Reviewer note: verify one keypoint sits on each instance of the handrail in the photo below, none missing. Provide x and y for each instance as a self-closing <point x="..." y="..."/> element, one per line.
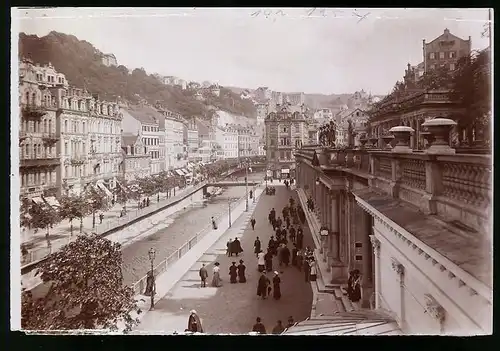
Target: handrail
<point x="160" y="268"/>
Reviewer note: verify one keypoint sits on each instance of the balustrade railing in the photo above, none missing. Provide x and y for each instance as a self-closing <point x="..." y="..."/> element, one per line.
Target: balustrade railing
<point x="435" y="182"/>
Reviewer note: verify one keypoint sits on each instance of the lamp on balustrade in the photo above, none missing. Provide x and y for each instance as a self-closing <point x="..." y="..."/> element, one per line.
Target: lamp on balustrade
<point x="439" y="129"/>
<point x="323" y="234"/>
<point x="388" y="138"/>
<point x="317" y="181"/>
<point x="373" y="140"/>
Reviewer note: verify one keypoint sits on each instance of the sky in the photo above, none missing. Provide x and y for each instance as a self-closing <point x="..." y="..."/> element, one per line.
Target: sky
<point x="321" y="51"/>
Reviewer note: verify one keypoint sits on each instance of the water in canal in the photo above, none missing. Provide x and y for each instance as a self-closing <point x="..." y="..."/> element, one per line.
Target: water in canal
<point x="183" y="225"/>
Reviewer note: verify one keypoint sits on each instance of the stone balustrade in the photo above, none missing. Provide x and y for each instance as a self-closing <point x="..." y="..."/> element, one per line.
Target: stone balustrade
<point x="439" y="182"/>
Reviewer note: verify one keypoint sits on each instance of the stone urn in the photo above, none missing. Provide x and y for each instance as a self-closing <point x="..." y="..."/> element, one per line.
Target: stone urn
<point x="428" y="137"/>
<point x="373" y="140"/>
<point x="388" y="138"/>
<point x="440" y="129"/>
<point x="402" y="135"/>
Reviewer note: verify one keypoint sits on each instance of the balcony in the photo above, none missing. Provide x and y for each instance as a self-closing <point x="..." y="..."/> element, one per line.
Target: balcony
<point x="22" y="136"/>
<point x="78" y="160"/>
<point x="31" y="111"/>
<point x="39" y="162"/>
<point x="50" y="138"/>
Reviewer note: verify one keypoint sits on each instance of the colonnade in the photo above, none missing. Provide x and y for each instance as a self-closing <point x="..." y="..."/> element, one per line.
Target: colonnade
<point x="348" y="245"/>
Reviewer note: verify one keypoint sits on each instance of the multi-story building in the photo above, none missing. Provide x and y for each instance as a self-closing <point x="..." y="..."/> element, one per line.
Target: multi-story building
<point x="295" y="99"/>
<point x="445" y="50"/>
<point x="248" y="141"/>
<point x="323" y="114"/>
<point x="286" y="130"/>
<point x="193" y="140"/>
<point x="145" y="120"/>
<point x="39" y="130"/>
<point x="229" y="141"/>
<point x="176" y="153"/>
<point x="262" y="112"/>
<point x="136" y="158"/>
<point x="359" y="120"/>
<point x="109" y="60"/>
<point x="215" y="90"/>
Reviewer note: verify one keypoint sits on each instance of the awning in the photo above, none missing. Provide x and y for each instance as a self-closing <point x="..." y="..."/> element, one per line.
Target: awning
<point x="185" y="171"/>
<point x="124" y="189"/>
<point x="52" y="201"/>
<point x="38" y="200"/>
<point x="285" y="170"/>
<point x="170" y="174"/>
<point x="189" y="174"/>
<point x="103" y="188"/>
<point x="178" y="171"/>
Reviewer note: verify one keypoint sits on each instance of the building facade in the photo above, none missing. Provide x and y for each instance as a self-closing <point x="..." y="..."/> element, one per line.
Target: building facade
<point x="419" y="260"/>
<point x="40" y="96"/>
<point x="176" y="151"/>
<point x="296" y="99"/>
<point x="324" y="113"/>
<point x="230" y="142"/>
<point x="193" y="140"/>
<point x="145" y="121"/>
<point x="445" y="50"/>
<point x="136" y="158"/>
<point x="286" y="130"/>
<point x="109" y="60"/>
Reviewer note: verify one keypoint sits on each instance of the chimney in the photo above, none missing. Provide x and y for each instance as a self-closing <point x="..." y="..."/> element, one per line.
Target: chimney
<point x="446" y="31"/>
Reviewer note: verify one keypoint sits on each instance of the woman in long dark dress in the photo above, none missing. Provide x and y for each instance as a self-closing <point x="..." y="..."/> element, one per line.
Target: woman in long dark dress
<point x="194" y="323"/>
<point x="241" y="272"/>
<point x="233" y="273"/>
<point x="286" y="255"/>
<point x="263" y="285"/>
<point x="276" y="286"/>
<point x="268" y="258"/>
<point x="257" y="246"/>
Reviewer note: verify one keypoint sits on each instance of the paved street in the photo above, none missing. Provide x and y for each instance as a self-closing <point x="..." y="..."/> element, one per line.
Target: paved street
<point x="233" y="308"/>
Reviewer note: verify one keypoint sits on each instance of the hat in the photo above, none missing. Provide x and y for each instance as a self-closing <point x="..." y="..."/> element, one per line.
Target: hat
<point x="233" y="262"/>
<point x="276" y="272"/>
<point x="192" y="312"/>
<point x="241" y="261"/>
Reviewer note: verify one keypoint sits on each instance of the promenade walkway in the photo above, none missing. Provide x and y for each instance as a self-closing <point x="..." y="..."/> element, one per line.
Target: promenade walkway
<point x="233" y="308"/>
<point x="60" y="235"/>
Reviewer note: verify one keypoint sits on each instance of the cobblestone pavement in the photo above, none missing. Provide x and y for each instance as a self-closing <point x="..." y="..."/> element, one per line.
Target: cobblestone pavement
<point x="233" y="308"/>
<point x="181" y="227"/>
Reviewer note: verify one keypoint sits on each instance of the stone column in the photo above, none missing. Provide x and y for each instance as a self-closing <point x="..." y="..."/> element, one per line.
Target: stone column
<point x="334" y="239"/>
<point x="400" y="272"/>
<point x="367" y="284"/>
<point x="376" y="251"/>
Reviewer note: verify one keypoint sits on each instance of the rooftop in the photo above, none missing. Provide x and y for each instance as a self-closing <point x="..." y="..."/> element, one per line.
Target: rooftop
<point x="464" y="246"/>
<point x="129" y="139"/>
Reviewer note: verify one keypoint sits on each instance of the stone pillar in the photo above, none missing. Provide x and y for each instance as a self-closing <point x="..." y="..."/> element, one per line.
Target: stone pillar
<point x="399" y="269"/>
<point x="376" y="251"/>
<point x="337" y="266"/>
<point x="367" y="273"/>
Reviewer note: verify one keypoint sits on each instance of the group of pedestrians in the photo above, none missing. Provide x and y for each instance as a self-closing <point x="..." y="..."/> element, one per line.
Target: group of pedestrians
<point x="236" y="274"/>
<point x="260" y="328"/>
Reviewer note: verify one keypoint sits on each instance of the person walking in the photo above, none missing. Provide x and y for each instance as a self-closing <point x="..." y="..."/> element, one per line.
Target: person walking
<point x="294" y="255"/>
<point x="252" y="222"/>
<point x="257" y="246"/>
<point x="307" y="269"/>
<point x="268" y="260"/>
<point x="278" y="328"/>
<point x="261" y="262"/>
<point x="263" y="285"/>
<point x="258" y="327"/>
<point x="203" y="275"/>
<point x="292" y="234"/>
<point x="285" y="255"/>
<point x="101" y="217"/>
<point x="312" y="270"/>
<point x="241" y="272"/>
<point x="194" y="322"/>
<point x="229" y="249"/>
<point x="236" y="247"/>
<point x="276" y="286"/>
<point x="291" y="322"/>
<point x="214" y="224"/>
<point x="216" y="281"/>
<point x="233" y="273"/>
<point x="300" y="238"/>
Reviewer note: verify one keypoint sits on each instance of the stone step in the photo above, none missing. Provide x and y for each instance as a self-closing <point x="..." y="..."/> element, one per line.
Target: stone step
<point x="347" y="304"/>
<point x="340" y="305"/>
<point x="338" y="293"/>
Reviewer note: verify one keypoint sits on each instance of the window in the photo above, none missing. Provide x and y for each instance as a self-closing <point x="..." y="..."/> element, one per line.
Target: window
<point x="441" y="55"/>
<point x="357" y="114"/>
<point x="452" y="66"/>
<point x="432" y="56"/>
<point x="83" y="127"/>
<point x="66" y="126"/>
<point x="65" y="148"/>
<point x="452" y="54"/>
<point x="27" y="152"/>
<point x="284" y="129"/>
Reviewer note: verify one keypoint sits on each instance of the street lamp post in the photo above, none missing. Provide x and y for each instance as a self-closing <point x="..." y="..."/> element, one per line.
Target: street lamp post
<point x="246" y="185"/>
<point x="229" y="210"/>
<point x="152" y="254"/>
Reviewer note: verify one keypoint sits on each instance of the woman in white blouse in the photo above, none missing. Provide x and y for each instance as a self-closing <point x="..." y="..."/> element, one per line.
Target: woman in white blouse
<point x="216" y="280"/>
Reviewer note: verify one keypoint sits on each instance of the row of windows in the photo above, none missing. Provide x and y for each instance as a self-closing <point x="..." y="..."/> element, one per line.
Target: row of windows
<point x="44" y="126"/>
<point x="81" y="128"/>
<point x="442" y="55"/>
<point x="150" y="129"/>
<point x="451" y="66"/>
<point x="154" y="155"/>
<point x="38" y="178"/>
<point x="283" y="155"/>
<point x="150" y="141"/>
<point x="50" y="79"/>
<point x="36" y="151"/>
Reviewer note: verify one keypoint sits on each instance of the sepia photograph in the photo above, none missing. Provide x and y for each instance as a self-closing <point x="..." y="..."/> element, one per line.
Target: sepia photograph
<point x="258" y="171"/>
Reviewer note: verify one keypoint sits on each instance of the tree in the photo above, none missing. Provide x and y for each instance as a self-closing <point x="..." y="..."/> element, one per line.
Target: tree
<point x="438" y="78"/>
<point x="86" y="292"/>
<point x="124" y="193"/>
<point x="74" y="207"/>
<point x="43" y="217"/>
<point x="97" y="200"/>
<point x="24" y="213"/>
<point x="471" y="86"/>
